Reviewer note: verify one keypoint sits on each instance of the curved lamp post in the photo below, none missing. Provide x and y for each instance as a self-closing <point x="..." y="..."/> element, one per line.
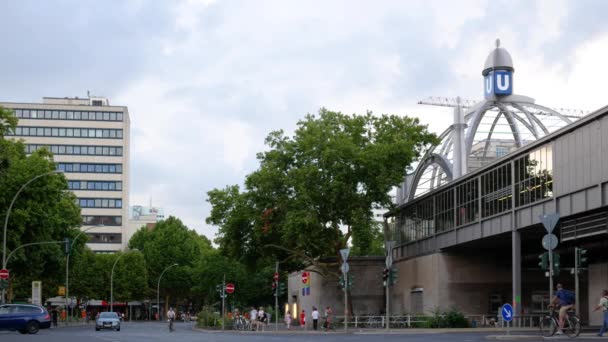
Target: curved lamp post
<point x="158" y="288"/>
<point x="8" y="214"/>
<point x="112" y="279"/>
<point x="67" y="264"/>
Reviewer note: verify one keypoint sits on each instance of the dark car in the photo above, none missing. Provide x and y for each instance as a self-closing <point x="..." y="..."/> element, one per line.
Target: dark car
<point x="25" y="318"/>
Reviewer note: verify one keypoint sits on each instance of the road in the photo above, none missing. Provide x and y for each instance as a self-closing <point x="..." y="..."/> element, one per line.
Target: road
<point x="150" y="332"/>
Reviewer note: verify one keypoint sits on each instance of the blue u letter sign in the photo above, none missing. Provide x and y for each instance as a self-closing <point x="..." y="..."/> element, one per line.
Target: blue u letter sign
<point x="499" y="83"/>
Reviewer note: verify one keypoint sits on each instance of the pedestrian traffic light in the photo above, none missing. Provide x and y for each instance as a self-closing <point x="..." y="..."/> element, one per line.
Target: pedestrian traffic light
<point x="556" y="264"/>
<point x="393" y="276"/>
<point x="544" y="261"/>
<point x="282" y="289"/>
<point x="68" y="246"/>
<point x="385" y="273"/>
<point x="3" y="284"/>
<point x="580" y="257"/>
<point x="274" y="288"/>
<point x="341" y="282"/>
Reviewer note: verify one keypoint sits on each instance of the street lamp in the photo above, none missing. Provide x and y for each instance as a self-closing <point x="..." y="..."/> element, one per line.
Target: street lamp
<point x="112" y="279"/>
<point x="8" y="213"/>
<point x="67" y="265"/>
<point x="158" y="288"/>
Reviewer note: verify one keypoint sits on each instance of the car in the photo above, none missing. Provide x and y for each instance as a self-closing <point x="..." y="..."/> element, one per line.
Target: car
<point x="107" y="320"/>
<point x="25" y="318"/>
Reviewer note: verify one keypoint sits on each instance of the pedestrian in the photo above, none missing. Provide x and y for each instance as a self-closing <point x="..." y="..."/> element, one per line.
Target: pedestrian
<point x="328" y="318"/>
<point x="315" y="318"/>
<point x="261" y="318"/>
<point x="288" y="320"/>
<point x="253" y="314"/>
<point x="54" y="315"/>
<point x="603" y="305"/>
<point x="303" y="319"/>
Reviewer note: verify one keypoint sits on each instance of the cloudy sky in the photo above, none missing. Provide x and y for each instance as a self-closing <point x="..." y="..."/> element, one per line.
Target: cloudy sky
<point x="205" y="81"/>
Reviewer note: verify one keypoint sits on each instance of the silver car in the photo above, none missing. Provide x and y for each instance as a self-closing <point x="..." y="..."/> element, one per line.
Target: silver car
<point x="107" y="320"/>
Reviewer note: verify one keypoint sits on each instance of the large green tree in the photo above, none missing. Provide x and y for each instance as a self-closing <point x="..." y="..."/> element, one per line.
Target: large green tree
<point x="43" y="211"/>
<point x="314" y="192"/>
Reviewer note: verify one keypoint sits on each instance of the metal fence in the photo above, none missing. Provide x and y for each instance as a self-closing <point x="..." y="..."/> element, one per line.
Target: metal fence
<point x="423" y="321"/>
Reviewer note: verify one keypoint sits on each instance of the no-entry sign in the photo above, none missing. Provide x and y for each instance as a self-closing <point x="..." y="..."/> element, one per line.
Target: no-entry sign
<point x="276" y="276"/>
<point x="230" y="288"/>
<point x="4" y="273"/>
<point x="305" y="277"/>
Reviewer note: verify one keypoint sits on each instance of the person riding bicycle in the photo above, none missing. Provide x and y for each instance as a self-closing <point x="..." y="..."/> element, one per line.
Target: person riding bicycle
<point x="171" y="317"/>
<point x="565" y="299"/>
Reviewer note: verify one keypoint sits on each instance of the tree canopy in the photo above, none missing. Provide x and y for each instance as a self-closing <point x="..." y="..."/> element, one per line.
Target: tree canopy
<point x="317" y="189"/>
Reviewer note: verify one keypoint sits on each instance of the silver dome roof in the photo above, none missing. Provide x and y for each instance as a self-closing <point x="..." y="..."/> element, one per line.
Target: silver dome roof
<point x="498" y="59"/>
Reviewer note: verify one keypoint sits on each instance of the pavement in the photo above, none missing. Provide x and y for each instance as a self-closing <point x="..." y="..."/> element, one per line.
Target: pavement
<point x="185" y="332"/>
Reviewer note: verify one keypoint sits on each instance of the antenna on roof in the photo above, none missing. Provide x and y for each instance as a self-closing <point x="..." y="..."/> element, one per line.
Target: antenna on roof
<point x="88" y="93"/>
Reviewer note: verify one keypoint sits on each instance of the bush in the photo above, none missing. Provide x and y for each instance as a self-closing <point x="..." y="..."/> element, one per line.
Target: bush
<point x="209" y="319"/>
<point x="446" y="319"/>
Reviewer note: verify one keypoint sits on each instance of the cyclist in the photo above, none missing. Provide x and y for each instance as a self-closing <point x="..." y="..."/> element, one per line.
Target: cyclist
<point x="171" y="317"/>
<point x="565" y="299"/>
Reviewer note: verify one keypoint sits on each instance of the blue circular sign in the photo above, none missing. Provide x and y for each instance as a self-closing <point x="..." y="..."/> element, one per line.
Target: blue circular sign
<point x="507" y="312"/>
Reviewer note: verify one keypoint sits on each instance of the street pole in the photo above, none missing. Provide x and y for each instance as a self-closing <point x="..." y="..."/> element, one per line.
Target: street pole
<point x="8" y="214"/>
<point x="576" y="288"/>
<point x="389" y="263"/>
<point x="550" y="274"/>
<point x="387" y="307"/>
<point x="223" y="301"/>
<point x="112" y="280"/>
<point x="158" y="289"/>
<point x="67" y="269"/>
<point x="276" y="299"/>
<point x="345" y="301"/>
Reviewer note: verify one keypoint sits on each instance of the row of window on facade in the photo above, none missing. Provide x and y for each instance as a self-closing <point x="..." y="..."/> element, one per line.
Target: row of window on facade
<point x="68" y="115"/>
<point x="101" y="220"/>
<point x="528" y="179"/>
<point x="67" y="132"/>
<point x="99" y="202"/>
<point x="105" y="238"/>
<point x="89" y="168"/>
<point x="94" y="185"/>
<point x="77" y="149"/>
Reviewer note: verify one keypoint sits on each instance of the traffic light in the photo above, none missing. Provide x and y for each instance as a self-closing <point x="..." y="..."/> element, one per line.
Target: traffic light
<point x="3" y="284"/>
<point x="68" y="246"/>
<point x="385" y="273"/>
<point x="282" y="289"/>
<point x="393" y="276"/>
<point x="348" y="283"/>
<point x="544" y="261"/>
<point x="556" y="264"/>
<point x="274" y="288"/>
<point x="580" y="257"/>
<point x="341" y="282"/>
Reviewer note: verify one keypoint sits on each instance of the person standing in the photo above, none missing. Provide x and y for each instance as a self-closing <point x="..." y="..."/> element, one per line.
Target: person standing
<point x="328" y="318"/>
<point x="253" y="316"/>
<point x="303" y="319"/>
<point x="315" y="318"/>
<point x="603" y="305"/>
<point x="288" y="320"/>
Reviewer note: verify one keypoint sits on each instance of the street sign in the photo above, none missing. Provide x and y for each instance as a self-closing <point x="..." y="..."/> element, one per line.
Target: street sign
<point x="276" y="276"/>
<point x="37" y="292"/>
<point x="305" y="277"/>
<point x="549" y="221"/>
<point x="344" y="252"/>
<point x="389" y="253"/>
<point x="4" y="273"/>
<point x="345" y="267"/>
<point x="230" y="288"/>
<point x="507" y="312"/>
<point x="549" y="242"/>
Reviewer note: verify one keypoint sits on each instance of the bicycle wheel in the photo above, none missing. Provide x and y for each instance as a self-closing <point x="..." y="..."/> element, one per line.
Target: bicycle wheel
<point x="573" y="328"/>
<point x="548" y="326"/>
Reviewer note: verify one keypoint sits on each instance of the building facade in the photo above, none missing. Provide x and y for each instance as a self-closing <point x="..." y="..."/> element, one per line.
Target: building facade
<point x="89" y="139"/>
<point x="143" y="216"/>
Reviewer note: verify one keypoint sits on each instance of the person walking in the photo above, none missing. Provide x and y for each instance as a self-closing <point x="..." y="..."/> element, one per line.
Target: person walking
<point x="603" y="305"/>
<point x="328" y="318"/>
<point x="261" y="318"/>
<point x="315" y="318"/>
<point x="303" y="319"/>
<point x="288" y="320"/>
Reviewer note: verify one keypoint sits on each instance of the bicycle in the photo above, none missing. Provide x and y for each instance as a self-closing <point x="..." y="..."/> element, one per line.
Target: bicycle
<point x="239" y="323"/>
<point x="550" y="323"/>
<point x="171" y="325"/>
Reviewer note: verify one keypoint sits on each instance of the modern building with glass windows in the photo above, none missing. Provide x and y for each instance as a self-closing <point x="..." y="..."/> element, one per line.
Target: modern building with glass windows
<point x="467" y="220"/>
<point x="89" y="139"/>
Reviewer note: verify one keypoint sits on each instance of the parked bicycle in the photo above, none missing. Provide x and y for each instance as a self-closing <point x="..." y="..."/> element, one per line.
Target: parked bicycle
<point x="240" y="323"/>
<point x="549" y="324"/>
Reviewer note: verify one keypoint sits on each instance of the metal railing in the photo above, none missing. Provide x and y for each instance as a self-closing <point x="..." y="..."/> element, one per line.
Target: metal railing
<point x="423" y="321"/>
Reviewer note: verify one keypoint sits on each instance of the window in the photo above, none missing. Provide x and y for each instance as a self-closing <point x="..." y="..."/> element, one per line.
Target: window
<point x="100" y="203"/>
<point x="69" y="132"/>
<point x="89" y="220"/>
<point x="105" y="238"/>
<point x="467" y="209"/>
<point x="534" y="176"/>
<point x="496" y="190"/>
<point x="444" y="202"/>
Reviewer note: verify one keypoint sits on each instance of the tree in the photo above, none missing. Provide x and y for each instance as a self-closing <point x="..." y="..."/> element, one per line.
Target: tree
<point x="43" y="211"/>
<point x="316" y="190"/>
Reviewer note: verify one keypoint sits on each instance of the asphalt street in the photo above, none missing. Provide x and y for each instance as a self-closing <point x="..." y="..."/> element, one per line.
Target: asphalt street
<point x="148" y="332"/>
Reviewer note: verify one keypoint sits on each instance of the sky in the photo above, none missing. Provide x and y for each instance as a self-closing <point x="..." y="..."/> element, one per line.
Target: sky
<point x="205" y="81"/>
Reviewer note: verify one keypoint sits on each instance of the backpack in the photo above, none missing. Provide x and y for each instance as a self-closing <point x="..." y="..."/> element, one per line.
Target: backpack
<point x="569" y="297"/>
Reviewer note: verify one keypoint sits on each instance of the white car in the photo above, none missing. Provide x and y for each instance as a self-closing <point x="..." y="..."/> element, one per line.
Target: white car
<point x="107" y="320"/>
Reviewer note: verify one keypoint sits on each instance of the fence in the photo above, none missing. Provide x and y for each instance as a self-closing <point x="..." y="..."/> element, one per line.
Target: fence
<point x="422" y="321"/>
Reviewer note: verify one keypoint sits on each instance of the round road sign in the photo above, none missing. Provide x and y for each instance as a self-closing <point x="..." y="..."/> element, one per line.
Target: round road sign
<point x="305" y="277"/>
<point x="4" y="273"/>
<point x="230" y="288"/>
<point x="549" y="241"/>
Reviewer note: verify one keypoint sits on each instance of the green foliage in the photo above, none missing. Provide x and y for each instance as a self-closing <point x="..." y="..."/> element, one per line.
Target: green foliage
<point x="446" y="319"/>
<point x="209" y="319"/>
<point x="310" y="187"/>
<point x="8" y="122"/>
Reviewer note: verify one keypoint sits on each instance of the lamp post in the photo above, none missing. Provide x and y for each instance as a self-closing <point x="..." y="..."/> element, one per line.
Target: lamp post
<point x="158" y="288"/>
<point x="8" y="214"/>
<point x="67" y="265"/>
<point x="112" y="279"/>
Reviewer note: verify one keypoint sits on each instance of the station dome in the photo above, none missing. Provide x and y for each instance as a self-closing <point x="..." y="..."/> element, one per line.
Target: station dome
<point x="498" y="59"/>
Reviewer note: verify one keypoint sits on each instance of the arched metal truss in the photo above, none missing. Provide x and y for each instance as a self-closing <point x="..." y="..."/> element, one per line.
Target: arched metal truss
<point x="495" y="128"/>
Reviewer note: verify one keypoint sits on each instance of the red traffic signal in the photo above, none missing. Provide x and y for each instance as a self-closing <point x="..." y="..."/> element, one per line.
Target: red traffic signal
<point x="276" y="276"/>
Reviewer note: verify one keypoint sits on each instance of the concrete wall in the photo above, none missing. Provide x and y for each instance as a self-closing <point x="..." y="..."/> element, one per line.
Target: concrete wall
<point x="598" y="281"/>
